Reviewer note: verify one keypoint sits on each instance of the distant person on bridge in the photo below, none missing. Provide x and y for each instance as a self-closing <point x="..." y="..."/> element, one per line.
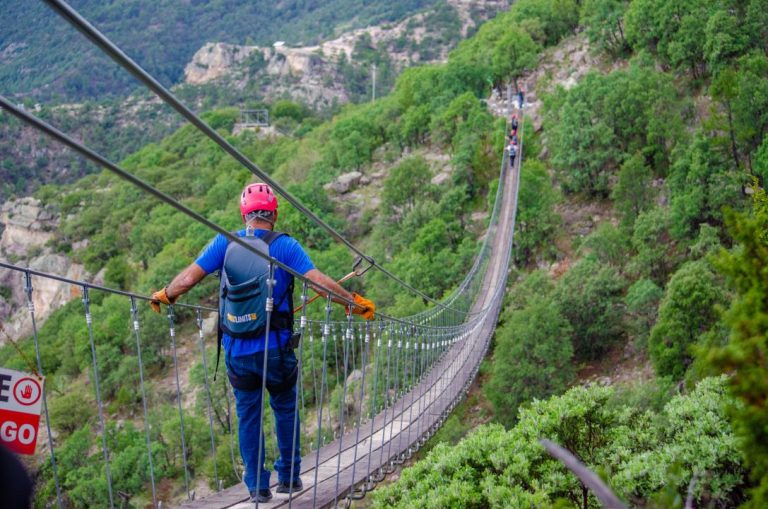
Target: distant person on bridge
<point x="512" y="152"/>
<point x="242" y="321"/>
<point x="514" y="124"/>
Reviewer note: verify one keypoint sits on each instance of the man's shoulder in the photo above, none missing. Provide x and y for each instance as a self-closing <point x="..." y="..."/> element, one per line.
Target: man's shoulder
<point x="285" y="241"/>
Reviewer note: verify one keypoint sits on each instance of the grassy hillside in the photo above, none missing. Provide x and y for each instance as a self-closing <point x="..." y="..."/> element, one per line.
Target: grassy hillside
<point x="43" y="56"/>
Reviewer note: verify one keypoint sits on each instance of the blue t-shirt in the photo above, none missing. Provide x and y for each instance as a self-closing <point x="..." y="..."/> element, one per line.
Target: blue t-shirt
<point x="286" y="250"/>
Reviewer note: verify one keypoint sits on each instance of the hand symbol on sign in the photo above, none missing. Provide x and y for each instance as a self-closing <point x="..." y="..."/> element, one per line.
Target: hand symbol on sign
<point x="26" y="392"/>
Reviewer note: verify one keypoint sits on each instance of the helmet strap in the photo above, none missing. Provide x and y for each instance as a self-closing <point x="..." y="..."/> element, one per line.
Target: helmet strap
<point x="261" y="216"/>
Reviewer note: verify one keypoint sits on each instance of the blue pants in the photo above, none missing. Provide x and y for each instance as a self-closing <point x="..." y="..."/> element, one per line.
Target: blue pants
<point x="249" y="413"/>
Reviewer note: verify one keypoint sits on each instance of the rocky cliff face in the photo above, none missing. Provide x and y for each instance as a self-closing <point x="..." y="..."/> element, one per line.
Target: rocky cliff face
<point x="26" y="228"/>
<point x="310" y="73"/>
<point x="300" y="73"/>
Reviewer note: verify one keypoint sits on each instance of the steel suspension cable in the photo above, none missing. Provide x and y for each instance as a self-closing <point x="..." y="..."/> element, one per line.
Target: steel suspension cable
<point x="115" y="53"/>
<point x="299" y="388"/>
<point x="172" y="334"/>
<point x="268" y="309"/>
<point x="31" y="308"/>
<point x="97" y="389"/>
<point x="135" y="318"/>
<point x="325" y="338"/>
<point x="364" y="362"/>
<point x="209" y="403"/>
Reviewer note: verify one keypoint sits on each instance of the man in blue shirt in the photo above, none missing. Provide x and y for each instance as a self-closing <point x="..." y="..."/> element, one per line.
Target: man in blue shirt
<point x="244" y="356"/>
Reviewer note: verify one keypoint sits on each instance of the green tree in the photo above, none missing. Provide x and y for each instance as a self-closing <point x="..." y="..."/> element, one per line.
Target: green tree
<point x="642" y="303"/>
<point x="750" y="105"/>
<point x="604" y="21"/>
<point x="638" y="452"/>
<point x="589" y="297"/>
<point x="745" y="353"/>
<point x="532" y="358"/>
<point x="724" y="37"/>
<point x="552" y="19"/>
<point x="583" y="149"/>
<point x="655" y="256"/>
<point x="513" y="55"/>
<point x="686" y="312"/>
<point x="608" y="244"/>
<point x="634" y="191"/>
<point x="537" y="220"/>
<point x="761" y="162"/>
<point x="692" y="449"/>
<point x="673" y="30"/>
<point x="405" y="183"/>
<point x="701" y="184"/>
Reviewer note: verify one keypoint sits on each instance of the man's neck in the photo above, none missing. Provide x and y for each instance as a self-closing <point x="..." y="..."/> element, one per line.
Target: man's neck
<point x="259" y="225"/>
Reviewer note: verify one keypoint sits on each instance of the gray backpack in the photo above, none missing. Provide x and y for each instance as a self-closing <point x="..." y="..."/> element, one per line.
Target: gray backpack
<point x="243" y="291"/>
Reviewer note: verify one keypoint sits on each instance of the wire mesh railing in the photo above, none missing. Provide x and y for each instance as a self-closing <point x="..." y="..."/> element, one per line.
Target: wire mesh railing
<point x="386" y="385"/>
<point x="377" y="380"/>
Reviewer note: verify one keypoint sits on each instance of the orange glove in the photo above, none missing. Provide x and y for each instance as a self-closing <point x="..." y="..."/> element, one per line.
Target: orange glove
<point x="365" y="308"/>
<point x="160" y="297"/>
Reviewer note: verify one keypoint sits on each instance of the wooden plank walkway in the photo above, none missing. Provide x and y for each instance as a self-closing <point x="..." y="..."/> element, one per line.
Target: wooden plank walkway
<point x="400" y="429"/>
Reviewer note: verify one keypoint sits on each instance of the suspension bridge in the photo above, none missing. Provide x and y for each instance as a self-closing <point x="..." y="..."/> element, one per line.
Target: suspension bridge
<point x="403" y="375"/>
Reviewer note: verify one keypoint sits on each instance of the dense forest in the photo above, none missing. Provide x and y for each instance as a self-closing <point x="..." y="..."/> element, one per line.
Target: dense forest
<point x="672" y="137"/>
<point x="667" y="135"/>
<point x="42" y="56"/>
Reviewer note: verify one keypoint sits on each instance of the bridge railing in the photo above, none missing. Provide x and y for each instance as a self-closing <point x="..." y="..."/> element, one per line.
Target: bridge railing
<point x="351" y="371"/>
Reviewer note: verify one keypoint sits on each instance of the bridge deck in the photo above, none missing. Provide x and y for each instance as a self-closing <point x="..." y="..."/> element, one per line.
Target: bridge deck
<point x="350" y="459"/>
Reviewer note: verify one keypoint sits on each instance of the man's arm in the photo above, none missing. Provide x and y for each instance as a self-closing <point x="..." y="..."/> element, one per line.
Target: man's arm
<point x="319" y="278"/>
<point x="185" y="281"/>
<point x="180" y="285"/>
<point x="362" y="307"/>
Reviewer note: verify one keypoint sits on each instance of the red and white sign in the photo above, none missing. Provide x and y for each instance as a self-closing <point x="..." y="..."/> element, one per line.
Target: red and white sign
<point x="21" y="399"/>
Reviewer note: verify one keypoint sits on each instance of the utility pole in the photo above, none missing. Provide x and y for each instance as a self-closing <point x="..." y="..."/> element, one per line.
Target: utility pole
<point x="373" y="95"/>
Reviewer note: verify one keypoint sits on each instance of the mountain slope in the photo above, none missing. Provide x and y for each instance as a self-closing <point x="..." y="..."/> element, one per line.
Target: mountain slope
<point x="42" y="56"/>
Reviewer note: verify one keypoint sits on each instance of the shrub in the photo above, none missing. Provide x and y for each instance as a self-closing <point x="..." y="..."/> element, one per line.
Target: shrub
<point x="588" y="296"/>
<point x="532" y="358"/>
<point x="686" y="312"/>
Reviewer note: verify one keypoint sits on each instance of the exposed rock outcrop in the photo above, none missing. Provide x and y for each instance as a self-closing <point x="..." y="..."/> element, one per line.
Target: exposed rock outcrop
<point x="345" y="182"/>
<point x="28" y="226"/>
<point x="312" y="72"/>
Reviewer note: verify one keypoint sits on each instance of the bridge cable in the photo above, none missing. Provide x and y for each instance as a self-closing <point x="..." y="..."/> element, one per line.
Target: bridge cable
<point x="135" y="317"/>
<point x="89" y="324"/>
<point x="172" y="333"/>
<point x="209" y="403"/>
<point x="115" y="53"/>
<point x="31" y="307"/>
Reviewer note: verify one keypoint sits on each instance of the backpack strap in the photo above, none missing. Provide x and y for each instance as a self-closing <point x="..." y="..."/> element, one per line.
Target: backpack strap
<point x="271" y="236"/>
<point x="219" y="334"/>
<point x="284" y="320"/>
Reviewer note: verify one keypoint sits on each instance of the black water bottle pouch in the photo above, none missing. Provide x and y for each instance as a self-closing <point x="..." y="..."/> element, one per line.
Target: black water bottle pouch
<point x="295" y="340"/>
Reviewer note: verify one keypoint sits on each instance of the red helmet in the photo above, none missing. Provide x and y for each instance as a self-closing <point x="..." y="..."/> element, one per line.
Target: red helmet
<point x="257" y="197"/>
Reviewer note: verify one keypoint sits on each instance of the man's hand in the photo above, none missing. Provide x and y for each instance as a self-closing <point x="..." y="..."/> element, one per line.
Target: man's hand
<point x="161" y="297"/>
<point x="180" y="285"/>
<point x="365" y="308"/>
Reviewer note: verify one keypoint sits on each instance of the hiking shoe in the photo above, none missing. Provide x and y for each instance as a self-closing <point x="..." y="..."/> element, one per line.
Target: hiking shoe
<point x="285" y="487"/>
<point x="261" y="496"/>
